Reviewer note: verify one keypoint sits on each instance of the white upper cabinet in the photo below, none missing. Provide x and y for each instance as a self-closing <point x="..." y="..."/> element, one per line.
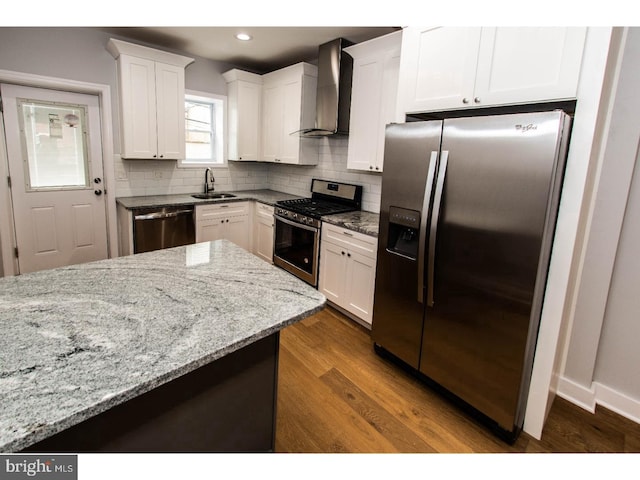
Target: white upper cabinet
<point x="376" y="65"/>
<point x="244" y="118"/>
<point x="528" y="64"/>
<point x="446" y="68"/>
<point x="151" y="91"/>
<point x="288" y="106"/>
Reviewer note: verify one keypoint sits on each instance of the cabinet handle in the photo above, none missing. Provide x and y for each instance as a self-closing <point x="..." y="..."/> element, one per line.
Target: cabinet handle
<point x="161" y="156"/>
<point x="227" y="220"/>
<point x="465" y="100"/>
<point x="222" y="221"/>
<point x="155" y="156"/>
<point x="477" y="99"/>
<point x="348" y="254"/>
<point x="377" y="168"/>
<point x="347" y="234"/>
<point x="370" y="167"/>
<point x="343" y="253"/>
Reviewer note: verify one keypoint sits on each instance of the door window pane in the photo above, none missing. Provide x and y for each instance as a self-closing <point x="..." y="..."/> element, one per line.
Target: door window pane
<point x="53" y="136"/>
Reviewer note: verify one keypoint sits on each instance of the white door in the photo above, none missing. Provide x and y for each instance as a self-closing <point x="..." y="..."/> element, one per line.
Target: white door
<point x="360" y="285"/>
<point x="292" y="108"/>
<point x="527" y="64"/>
<point x="55" y="165"/>
<point x="272" y="122"/>
<point x="332" y="272"/>
<point x="238" y="231"/>
<point x="438" y="68"/>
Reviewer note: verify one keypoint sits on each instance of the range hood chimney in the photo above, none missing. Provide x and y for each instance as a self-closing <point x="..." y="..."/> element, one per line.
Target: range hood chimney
<point x="333" y="97"/>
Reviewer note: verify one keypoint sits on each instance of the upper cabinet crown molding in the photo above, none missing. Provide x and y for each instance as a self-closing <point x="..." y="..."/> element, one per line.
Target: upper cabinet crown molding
<point x="292" y="71"/>
<point x="389" y="42"/>
<point x="240" y="75"/>
<point x="118" y="47"/>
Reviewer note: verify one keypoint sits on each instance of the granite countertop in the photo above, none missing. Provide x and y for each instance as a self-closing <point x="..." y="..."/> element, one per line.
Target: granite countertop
<point x="269" y="197"/>
<point x="79" y="340"/>
<point x="360" y="221"/>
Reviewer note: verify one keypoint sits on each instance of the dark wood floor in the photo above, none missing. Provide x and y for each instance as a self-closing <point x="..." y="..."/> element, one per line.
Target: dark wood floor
<point x="336" y="395"/>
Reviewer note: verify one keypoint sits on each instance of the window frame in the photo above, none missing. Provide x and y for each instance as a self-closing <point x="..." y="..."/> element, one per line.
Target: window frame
<point x="219" y="132"/>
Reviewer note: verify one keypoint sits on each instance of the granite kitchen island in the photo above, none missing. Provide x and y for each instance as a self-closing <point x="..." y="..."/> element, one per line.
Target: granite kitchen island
<point x="172" y="350"/>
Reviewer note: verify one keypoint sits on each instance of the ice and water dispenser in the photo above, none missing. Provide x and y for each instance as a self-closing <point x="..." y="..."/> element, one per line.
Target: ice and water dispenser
<point x="403" y="236"/>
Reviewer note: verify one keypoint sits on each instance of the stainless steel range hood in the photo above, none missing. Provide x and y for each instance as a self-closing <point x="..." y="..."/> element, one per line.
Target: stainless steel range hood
<point x="333" y="97"/>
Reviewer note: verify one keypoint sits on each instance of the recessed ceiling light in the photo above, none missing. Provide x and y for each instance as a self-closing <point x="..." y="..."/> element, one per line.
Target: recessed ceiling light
<point x="243" y="36"/>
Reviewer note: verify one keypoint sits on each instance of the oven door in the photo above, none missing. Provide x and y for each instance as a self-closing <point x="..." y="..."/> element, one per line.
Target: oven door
<point x="296" y="249"/>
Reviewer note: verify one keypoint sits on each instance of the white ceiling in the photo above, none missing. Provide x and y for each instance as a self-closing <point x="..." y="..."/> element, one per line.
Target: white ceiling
<point x="271" y="47"/>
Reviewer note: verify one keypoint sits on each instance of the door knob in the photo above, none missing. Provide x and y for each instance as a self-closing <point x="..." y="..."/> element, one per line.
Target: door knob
<point x="98" y="192"/>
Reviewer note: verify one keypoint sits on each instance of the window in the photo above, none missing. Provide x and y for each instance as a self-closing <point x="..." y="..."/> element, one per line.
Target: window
<point x="204" y="124"/>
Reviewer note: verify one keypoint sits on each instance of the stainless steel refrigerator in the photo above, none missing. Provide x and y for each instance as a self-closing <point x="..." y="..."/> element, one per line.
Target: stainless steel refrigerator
<point x="467" y="219"/>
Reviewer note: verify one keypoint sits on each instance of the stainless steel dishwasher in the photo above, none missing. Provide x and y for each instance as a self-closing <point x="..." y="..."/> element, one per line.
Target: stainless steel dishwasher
<point x="162" y="227"/>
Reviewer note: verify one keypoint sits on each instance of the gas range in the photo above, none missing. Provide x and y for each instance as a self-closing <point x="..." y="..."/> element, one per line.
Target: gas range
<point x="297" y="225"/>
<point x="327" y="198"/>
<point x="309" y="211"/>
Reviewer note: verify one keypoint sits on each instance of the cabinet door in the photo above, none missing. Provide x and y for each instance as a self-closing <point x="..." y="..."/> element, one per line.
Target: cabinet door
<point x="291" y="121"/>
<point x="360" y="285"/>
<point x="248" y="126"/>
<point x="528" y="64"/>
<point x="237" y="231"/>
<point x="264" y="238"/>
<point x="272" y="125"/>
<point x="389" y="105"/>
<point x="209" y="230"/>
<point x="438" y="68"/>
<point x="365" y="125"/>
<point x="332" y="272"/>
<point x="170" y="111"/>
<point x="138" y="102"/>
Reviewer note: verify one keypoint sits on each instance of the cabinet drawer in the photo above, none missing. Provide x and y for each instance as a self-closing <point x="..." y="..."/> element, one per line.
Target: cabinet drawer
<point x="263" y="209"/>
<point x="216" y="210"/>
<point x="354" y="241"/>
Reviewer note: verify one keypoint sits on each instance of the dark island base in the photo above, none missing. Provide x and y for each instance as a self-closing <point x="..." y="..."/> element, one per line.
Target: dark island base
<point x="226" y="406"/>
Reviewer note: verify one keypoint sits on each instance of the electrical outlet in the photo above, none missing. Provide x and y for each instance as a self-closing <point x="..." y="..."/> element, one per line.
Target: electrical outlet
<point x="157" y="174"/>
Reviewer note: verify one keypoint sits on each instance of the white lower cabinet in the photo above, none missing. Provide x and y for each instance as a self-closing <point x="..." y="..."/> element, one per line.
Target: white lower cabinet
<point x="228" y="221"/>
<point x="348" y="270"/>
<point x="263" y="231"/>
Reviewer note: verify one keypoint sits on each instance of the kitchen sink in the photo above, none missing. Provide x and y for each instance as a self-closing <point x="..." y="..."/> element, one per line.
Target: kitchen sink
<point x="212" y="195"/>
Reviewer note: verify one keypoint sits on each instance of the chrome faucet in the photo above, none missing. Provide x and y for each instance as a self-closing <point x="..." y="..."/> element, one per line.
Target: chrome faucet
<point x="207" y="187"/>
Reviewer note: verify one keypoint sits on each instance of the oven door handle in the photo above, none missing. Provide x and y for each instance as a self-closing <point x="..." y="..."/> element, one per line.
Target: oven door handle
<point x="296" y="224"/>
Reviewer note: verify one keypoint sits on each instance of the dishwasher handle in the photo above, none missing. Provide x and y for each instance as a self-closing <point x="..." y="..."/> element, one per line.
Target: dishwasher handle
<point x="160" y="215"/>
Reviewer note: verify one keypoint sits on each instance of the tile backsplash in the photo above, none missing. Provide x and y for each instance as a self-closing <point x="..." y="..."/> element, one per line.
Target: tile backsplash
<point x="153" y="177"/>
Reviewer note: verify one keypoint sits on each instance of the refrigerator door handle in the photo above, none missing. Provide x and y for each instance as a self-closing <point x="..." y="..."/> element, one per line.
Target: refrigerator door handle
<point x="433" y="231"/>
<point x="423" y="223"/>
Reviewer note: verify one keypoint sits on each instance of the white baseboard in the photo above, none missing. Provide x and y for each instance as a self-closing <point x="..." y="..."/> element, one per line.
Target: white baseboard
<point x="599" y="394"/>
<point x="618" y="402"/>
<point x="577" y="394"/>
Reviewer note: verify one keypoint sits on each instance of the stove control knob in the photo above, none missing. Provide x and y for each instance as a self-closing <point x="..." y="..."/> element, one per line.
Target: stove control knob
<point x="295" y="215"/>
